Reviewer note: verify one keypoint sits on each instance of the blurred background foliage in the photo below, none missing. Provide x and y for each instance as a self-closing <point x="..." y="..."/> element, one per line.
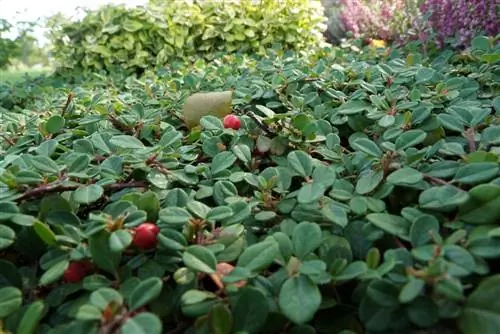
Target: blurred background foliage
<point x="133" y="38"/>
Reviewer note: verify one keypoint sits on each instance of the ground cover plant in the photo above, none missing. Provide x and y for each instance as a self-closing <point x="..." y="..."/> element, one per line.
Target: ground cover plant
<point x="352" y="191"/>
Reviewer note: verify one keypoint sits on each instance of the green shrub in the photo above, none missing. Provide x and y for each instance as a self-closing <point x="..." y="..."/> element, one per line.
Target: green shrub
<point x="360" y="195"/>
<point x="9" y="49"/>
<point x="137" y="38"/>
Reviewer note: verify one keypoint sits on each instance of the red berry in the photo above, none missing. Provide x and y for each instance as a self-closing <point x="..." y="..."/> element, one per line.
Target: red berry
<point x="146" y="236"/>
<point x="232" y="122"/>
<point x="75" y="272"/>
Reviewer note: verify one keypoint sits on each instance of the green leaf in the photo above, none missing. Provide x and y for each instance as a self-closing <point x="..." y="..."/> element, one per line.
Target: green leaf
<point x="477" y="172"/>
<point x="482" y="206"/>
<point x="299" y="299"/>
<point x="222" y="161"/>
<point x="383" y="293"/>
<point x="409" y="139"/>
<point x="199" y="209"/>
<point x="368" y="181"/>
<point x="250" y="311"/>
<point x="7" y="236"/>
<point x="219" y="213"/>
<point x="102" y="255"/>
<point x="8" y="210"/>
<point x="55" y="123"/>
<point x="142" y="323"/>
<point x="310" y="192"/>
<point x="200" y="258"/>
<point x="306" y="239"/>
<point x="45" y="233"/>
<point x="54" y="273"/>
<point x="211" y="123"/>
<point x="300" y="162"/>
<point x="481" y="313"/>
<point x="423" y="312"/>
<point x="367" y="146"/>
<point x="31" y="318"/>
<point x="405" y="176"/>
<point x="259" y="256"/>
<point x="88" y="194"/>
<point x="10" y="275"/>
<point x="420" y="231"/>
<point x="145" y="292"/>
<point x="391" y="224"/>
<point x="126" y="142"/>
<point x="411" y="289"/>
<point x="335" y="213"/>
<point x="442" y="198"/>
<point x="220" y="319"/>
<point x="103" y="297"/>
<point x="88" y="313"/>
<point x="120" y="240"/>
<point x="11" y="299"/>
<point x="424" y="75"/>
<point x="353" y="107"/>
<point x="353" y="270"/>
<point x="150" y="203"/>
<point x="481" y="43"/>
<point x="243" y="153"/>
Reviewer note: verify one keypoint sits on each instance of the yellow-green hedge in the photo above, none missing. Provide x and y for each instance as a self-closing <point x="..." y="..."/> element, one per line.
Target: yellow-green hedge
<point x="140" y="37"/>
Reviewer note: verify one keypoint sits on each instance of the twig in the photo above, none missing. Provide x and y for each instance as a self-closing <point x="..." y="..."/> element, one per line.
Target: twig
<point x="399" y="243"/>
<point x="50" y="188"/>
<point x="261" y="125"/>
<point x="120" y="125"/>
<point x="437" y="180"/>
<point x="469" y="134"/>
<point x="8" y="140"/>
<point x="66" y="105"/>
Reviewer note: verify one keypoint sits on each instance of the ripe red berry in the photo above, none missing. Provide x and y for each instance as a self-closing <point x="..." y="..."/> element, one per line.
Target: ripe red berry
<point x="232" y="122"/>
<point x="146" y="236"/>
<point x="75" y="272"/>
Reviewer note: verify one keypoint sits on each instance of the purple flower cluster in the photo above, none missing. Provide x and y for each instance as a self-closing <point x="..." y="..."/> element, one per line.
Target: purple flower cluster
<point x="395" y="19"/>
<point x="462" y="19"/>
<point x="371" y="18"/>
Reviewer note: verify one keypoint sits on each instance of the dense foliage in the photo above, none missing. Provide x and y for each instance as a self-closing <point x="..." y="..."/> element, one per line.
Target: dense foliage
<point x="9" y="49"/>
<point x="360" y="195"/>
<point x="136" y="38"/>
<point x="382" y="19"/>
<point x="444" y="22"/>
<point x="461" y="20"/>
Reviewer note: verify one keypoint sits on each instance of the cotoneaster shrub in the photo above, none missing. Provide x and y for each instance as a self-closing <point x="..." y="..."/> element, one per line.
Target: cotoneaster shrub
<point x="116" y="37"/>
<point x="359" y="195"/>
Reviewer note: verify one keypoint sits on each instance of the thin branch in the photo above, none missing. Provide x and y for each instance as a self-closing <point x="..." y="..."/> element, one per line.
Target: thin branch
<point x="50" y="188"/>
<point x="437" y="180"/>
<point x="261" y="125"/>
<point x="66" y="105"/>
<point x="8" y="140"/>
<point x="469" y="134"/>
<point x="120" y="125"/>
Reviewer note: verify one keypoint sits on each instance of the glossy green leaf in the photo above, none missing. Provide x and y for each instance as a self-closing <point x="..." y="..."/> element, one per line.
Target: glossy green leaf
<point x="142" y="323"/>
<point x="145" y="292"/>
<point x="299" y="299"/>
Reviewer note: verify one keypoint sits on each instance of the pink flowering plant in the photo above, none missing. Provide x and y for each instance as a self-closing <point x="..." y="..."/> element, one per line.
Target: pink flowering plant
<point x="459" y="21"/>
<point x="454" y="22"/>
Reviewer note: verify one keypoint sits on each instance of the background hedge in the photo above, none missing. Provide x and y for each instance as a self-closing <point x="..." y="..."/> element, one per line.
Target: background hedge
<point x="136" y="38"/>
